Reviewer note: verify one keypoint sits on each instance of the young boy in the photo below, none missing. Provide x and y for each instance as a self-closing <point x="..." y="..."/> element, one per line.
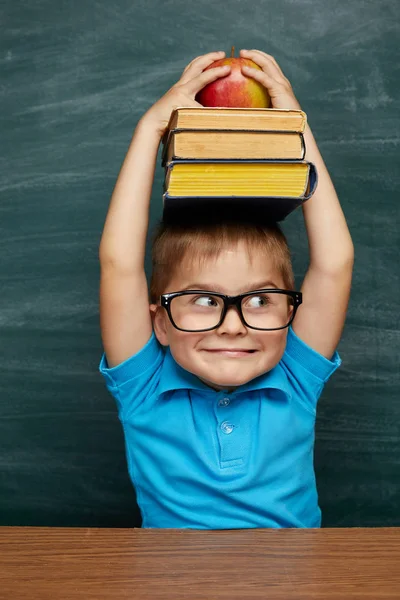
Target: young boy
<point x="217" y="380"/>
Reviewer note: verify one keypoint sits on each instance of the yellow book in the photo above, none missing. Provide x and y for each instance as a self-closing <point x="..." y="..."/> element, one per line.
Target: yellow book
<point x="238" y="178"/>
<point x="260" y="190"/>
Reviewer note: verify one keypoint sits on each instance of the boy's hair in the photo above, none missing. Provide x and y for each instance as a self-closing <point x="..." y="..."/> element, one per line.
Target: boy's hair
<point x="174" y="243"/>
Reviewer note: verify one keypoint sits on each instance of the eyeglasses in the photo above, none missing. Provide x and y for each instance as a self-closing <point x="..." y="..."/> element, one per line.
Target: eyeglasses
<point x="203" y="310"/>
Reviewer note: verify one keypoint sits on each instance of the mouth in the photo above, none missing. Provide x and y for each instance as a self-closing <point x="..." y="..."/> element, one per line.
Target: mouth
<point x="235" y="352"/>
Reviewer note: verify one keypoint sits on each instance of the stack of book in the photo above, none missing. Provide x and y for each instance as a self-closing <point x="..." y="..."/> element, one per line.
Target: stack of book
<point x="252" y="157"/>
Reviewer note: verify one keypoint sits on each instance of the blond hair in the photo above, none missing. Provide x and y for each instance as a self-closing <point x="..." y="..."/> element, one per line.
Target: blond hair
<point x="173" y="244"/>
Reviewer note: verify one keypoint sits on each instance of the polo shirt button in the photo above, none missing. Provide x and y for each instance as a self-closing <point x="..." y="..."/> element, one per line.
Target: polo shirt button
<point x="227" y="427"/>
<point x="224" y="402"/>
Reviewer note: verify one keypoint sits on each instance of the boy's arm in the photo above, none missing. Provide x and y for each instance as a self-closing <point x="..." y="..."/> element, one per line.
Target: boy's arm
<point x="123" y="239"/>
<point x="326" y="287"/>
<point x="125" y="319"/>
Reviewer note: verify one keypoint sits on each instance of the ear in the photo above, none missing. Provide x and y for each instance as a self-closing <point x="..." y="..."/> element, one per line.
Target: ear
<point x="159" y="318"/>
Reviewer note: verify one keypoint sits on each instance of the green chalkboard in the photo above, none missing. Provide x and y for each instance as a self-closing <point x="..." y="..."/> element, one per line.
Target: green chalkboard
<point x="74" y="80"/>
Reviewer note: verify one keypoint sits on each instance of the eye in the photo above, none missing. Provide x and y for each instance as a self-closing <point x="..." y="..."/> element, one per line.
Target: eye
<point x="258" y="301"/>
<point x="205" y="301"/>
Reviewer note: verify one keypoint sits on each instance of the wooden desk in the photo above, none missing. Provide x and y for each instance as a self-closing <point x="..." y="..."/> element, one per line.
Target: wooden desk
<point x="287" y="564"/>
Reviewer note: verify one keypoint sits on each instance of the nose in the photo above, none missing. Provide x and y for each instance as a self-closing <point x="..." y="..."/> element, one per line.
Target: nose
<point x="232" y="323"/>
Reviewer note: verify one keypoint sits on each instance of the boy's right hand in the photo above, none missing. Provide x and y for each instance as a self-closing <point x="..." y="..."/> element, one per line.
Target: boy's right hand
<point x="184" y="91"/>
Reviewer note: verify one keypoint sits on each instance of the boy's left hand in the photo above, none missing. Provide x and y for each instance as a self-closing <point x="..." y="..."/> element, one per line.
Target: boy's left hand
<point x="272" y="78"/>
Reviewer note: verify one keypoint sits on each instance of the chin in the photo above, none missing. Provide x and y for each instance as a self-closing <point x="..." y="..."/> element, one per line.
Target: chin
<point x="228" y="382"/>
<point x="227" y="374"/>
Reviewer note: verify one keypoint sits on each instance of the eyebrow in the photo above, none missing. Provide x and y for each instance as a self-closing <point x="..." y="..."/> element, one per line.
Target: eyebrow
<point x="216" y="288"/>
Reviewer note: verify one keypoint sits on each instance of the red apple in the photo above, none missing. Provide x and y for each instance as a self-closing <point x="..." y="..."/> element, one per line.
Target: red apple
<point x="235" y="90"/>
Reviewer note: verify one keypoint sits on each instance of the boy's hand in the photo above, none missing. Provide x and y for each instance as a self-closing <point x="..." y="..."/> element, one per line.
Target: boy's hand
<point x="184" y="91"/>
<point x="272" y="78"/>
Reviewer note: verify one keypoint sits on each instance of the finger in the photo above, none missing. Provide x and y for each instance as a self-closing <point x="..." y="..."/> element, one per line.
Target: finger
<point x="195" y="85"/>
<point x="271" y="58"/>
<point x="268" y="56"/>
<point x="195" y="69"/>
<point x="265" y="61"/>
<point x="211" y="55"/>
<point x="266" y="79"/>
<point x="198" y="64"/>
<point x="262" y="54"/>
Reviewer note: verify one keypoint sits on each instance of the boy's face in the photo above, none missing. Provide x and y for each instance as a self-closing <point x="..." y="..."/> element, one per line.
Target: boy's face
<point x="231" y="273"/>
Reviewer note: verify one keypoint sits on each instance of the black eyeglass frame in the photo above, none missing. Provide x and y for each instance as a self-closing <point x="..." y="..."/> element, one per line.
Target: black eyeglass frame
<point x="165" y="300"/>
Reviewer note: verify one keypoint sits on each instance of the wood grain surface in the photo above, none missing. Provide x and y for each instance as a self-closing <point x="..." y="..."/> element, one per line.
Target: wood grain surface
<point x="140" y="564"/>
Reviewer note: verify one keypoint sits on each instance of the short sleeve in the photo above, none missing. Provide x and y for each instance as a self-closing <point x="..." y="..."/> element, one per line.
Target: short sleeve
<point x="307" y="370"/>
<point x="135" y="379"/>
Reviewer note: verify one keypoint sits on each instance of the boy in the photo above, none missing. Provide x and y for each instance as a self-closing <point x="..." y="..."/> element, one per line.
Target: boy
<point x="219" y="424"/>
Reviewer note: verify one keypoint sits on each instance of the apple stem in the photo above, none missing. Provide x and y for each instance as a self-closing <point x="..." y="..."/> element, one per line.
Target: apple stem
<point x="232" y="51"/>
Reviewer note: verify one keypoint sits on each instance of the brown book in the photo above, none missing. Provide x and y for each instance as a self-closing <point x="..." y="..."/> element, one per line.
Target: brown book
<point x="260" y="119"/>
<point x="229" y="144"/>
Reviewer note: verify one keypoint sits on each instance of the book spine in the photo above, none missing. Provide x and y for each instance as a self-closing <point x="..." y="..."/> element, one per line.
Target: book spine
<point x="312" y="181"/>
<point x="303" y="146"/>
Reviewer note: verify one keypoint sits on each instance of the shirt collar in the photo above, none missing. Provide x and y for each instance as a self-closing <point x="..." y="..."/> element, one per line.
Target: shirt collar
<point x="175" y="377"/>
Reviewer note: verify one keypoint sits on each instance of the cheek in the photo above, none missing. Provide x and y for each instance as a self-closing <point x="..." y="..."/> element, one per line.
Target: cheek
<point x="274" y="345"/>
<point x="181" y="344"/>
<point x="281" y="344"/>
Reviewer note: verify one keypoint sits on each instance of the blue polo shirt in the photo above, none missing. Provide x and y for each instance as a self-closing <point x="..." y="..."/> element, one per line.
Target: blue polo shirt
<point x="203" y="459"/>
